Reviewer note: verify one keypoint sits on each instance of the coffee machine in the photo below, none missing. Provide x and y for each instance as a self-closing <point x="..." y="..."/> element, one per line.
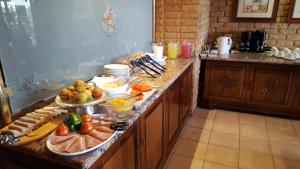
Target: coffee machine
<point x="253" y="41"/>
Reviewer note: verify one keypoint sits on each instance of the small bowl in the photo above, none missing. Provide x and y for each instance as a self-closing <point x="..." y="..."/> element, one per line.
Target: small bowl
<point x="120" y="104"/>
<point x="115" y="90"/>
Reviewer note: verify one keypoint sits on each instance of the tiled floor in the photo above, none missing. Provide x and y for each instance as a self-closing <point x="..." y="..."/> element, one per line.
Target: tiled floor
<point x="218" y="139"/>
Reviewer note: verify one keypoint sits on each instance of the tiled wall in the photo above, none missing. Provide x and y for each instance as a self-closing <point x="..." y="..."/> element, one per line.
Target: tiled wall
<point x="180" y="21"/>
<point x="279" y="34"/>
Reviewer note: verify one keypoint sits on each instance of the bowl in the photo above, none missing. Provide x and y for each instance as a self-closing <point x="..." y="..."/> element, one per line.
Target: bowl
<point x="113" y="89"/>
<point x="121" y="103"/>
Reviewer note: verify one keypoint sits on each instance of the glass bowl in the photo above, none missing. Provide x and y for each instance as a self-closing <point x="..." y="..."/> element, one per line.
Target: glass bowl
<point x="121" y="103"/>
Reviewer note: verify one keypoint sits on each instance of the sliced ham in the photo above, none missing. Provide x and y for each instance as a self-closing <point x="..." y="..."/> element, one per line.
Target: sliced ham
<point x="91" y="141"/>
<point x="104" y="129"/>
<point x="100" y="135"/>
<point x="65" y="146"/>
<point x="77" y="145"/>
<point x="54" y="139"/>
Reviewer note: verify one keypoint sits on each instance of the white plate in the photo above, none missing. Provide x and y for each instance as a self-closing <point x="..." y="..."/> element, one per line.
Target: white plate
<point x="116" y="66"/>
<point x="160" y="60"/>
<point x="51" y="147"/>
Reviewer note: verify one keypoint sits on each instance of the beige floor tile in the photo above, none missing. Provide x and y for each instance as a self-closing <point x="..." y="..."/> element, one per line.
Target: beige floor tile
<point x="227" y="116"/>
<point x="196" y="134"/>
<point x="296" y="125"/>
<point x="285" y="151"/>
<point x="191" y="149"/>
<point x="255" y="160"/>
<point x="286" y="164"/>
<point x="231" y="128"/>
<point x="283" y="137"/>
<point x="253" y="120"/>
<point x="182" y="162"/>
<point x="211" y="165"/>
<point x="204" y="113"/>
<point x="224" y="139"/>
<point x="279" y="124"/>
<point x="200" y="123"/>
<point x="222" y="155"/>
<point x="255" y="145"/>
<point x="253" y="132"/>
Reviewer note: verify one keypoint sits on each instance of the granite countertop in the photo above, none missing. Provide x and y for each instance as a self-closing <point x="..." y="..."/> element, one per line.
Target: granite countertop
<point x="174" y="69"/>
<point x="249" y="57"/>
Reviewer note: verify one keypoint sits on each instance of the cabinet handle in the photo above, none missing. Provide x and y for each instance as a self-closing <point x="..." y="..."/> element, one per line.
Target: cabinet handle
<point x="142" y="143"/>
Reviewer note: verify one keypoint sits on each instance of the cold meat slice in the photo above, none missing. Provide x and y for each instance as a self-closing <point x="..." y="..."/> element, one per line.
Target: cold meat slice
<point x="77" y="145"/>
<point x="100" y="135"/>
<point x="91" y="141"/>
<point x="54" y="139"/>
<point x="64" y="146"/>
<point x="104" y="129"/>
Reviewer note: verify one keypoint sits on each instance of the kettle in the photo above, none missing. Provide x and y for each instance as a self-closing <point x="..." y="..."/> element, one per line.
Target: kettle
<point x="224" y="44"/>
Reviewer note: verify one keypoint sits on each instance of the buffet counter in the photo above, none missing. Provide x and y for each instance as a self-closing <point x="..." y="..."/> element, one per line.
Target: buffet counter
<point x="249" y="57"/>
<point x="251" y="82"/>
<point x="36" y="154"/>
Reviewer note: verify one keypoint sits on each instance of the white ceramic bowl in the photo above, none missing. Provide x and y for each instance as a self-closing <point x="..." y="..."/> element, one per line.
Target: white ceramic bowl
<point x="116" y="90"/>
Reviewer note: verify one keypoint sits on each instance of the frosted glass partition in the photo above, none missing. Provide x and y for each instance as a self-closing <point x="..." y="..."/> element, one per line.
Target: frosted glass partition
<point x="47" y="44"/>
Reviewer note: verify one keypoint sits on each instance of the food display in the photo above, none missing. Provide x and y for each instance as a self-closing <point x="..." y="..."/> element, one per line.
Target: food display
<point x="78" y="135"/>
<point x="32" y="121"/>
<point x="80" y="94"/>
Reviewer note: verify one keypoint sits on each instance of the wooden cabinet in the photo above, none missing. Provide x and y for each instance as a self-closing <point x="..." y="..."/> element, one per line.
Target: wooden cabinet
<point x="125" y="156"/>
<point x="225" y="83"/>
<point x="267" y="88"/>
<point x="295" y="92"/>
<point x="186" y="92"/>
<point x="269" y="85"/>
<point x="172" y="108"/>
<point x="152" y="136"/>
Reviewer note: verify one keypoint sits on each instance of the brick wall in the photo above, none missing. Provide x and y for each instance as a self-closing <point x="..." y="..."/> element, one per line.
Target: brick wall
<point x="279" y="34"/>
<point x="180" y="21"/>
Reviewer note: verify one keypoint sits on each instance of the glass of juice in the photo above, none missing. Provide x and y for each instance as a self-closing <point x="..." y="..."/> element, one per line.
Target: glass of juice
<point x="187" y="50"/>
<point x="173" y="50"/>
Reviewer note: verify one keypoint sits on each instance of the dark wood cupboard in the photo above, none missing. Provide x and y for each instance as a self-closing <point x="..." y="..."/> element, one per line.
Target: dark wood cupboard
<point x="186" y="92"/>
<point x="172" y="104"/>
<point x="125" y="156"/>
<point x="260" y="87"/>
<point x="225" y="83"/>
<point x="152" y="135"/>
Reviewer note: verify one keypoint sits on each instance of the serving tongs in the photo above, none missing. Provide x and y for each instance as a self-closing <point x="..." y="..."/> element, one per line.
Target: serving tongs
<point x="144" y="59"/>
<point x="149" y="58"/>
<point x="140" y="61"/>
<point x="135" y="63"/>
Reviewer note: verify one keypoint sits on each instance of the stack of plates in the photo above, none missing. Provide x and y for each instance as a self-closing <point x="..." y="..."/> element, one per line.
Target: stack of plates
<point x="117" y="70"/>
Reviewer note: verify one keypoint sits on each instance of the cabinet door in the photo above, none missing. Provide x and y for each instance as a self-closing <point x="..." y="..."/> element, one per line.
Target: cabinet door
<point x="186" y="91"/>
<point x="152" y="136"/>
<point x="173" y="109"/>
<point x="295" y="91"/>
<point x="125" y="156"/>
<point x="224" y="81"/>
<point x="270" y="85"/>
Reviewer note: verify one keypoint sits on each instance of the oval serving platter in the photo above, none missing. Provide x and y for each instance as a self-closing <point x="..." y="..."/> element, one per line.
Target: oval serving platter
<point x="51" y="147"/>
